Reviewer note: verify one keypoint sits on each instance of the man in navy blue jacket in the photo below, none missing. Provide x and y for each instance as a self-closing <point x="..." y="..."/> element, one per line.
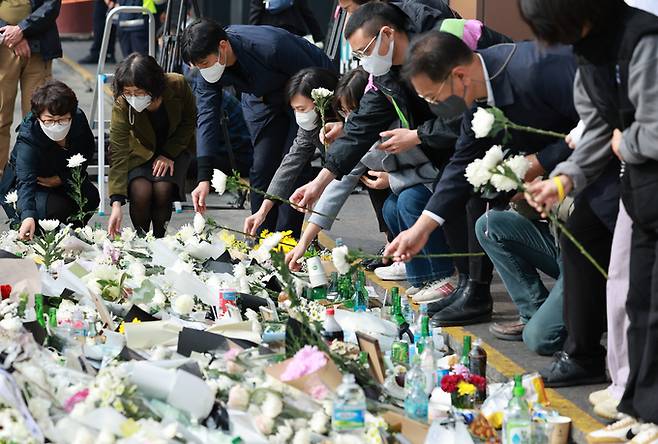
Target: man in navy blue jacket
<point x="257" y="61"/>
<point x="533" y="86"/>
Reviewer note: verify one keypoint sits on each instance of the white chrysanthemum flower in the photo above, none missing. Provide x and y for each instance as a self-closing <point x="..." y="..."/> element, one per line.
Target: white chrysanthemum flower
<point x="321" y="93"/>
<point x="11" y="324"/>
<point x="183" y="304"/>
<point x="48" y="224"/>
<point x="128" y="234"/>
<point x="76" y="160"/>
<point x="238" y="398"/>
<point x="199" y="223"/>
<point x="318" y="422"/>
<point x="339" y="258"/>
<point x="11" y="197"/>
<point x="272" y="406"/>
<point x="186" y="233"/>
<point x="482" y="123"/>
<point x="302" y="436"/>
<point x="519" y="165"/>
<point x="219" y="181"/>
<point x="493" y="157"/>
<point x="476" y="174"/>
<point x="264" y="424"/>
<point x="503" y="183"/>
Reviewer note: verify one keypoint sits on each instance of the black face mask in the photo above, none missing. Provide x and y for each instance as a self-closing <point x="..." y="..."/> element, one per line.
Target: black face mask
<point x="453" y="106"/>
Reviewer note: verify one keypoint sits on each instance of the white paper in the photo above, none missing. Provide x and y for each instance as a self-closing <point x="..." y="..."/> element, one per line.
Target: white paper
<point x="187" y="283"/>
<point x="162" y="254"/>
<point x="22" y="275"/>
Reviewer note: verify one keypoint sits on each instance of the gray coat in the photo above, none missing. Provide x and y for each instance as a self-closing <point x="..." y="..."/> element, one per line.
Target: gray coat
<point x="639" y="140"/>
<point x="405" y="171"/>
<point x="298" y="157"/>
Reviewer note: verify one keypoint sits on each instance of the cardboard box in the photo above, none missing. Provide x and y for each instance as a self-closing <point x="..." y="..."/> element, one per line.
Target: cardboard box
<point x="414" y="431"/>
<point x="329" y="376"/>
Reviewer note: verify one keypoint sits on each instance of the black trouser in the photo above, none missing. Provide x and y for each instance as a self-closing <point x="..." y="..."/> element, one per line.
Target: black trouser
<point x="134" y="39"/>
<point x="100" y="12"/>
<point x="640" y="399"/>
<point x="584" y="286"/>
<point x="377" y="199"/>
<point x="60" y="206"/>
<point x="460" y="235"/>
<point x="272" y="143"/>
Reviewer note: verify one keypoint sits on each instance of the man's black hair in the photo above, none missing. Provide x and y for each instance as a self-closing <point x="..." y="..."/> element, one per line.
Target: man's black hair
<point x="435" y="54"/>
<point x="373" y="16"/>
<point x="200" y="39"/>
<point x="55" y="97"/>
<point x="141" y="71"/>
<point x="563" y="21"/>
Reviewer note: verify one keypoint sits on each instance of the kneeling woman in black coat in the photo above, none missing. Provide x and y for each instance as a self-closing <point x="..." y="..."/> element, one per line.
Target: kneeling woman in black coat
<point x="50" y="134"/>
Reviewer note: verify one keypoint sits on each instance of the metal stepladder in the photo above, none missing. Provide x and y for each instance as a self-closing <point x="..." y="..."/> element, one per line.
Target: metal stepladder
<point x="97" y="114"/>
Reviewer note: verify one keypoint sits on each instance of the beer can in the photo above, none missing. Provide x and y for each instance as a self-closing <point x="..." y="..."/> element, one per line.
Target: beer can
<point x="400" y="353"/>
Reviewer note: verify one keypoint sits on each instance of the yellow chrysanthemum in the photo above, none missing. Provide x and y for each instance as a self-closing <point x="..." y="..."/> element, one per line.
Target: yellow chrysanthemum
<point x="286" y="244"/>
<point x="464" y="389"/>
<point x="227" y="237"/>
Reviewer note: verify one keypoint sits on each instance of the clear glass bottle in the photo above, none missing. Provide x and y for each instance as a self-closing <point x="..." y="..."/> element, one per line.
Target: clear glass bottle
<point x="428" y="364"/>
<point x="517" y="422"/>
<point x="466" y="349"/>
<point x="349" y="408"/>
<point x="333" y="290"/>
<point x="416" y="401"/>
<point x="407" y="311"/>
<point x="360" y="297"/>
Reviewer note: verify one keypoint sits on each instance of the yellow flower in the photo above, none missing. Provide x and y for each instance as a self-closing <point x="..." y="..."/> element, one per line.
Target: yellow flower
<point x="122" y="328"/>
<point x="128" y="428"/>
<point x="227" y="238"/>
<point x="286" y="244"/>
<point x="38" y="259"/>
<point x="464" y="388"/>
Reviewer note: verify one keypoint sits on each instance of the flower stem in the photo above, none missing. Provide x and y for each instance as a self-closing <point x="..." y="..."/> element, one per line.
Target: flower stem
<point x="282" y="200"/>
<point x="529" y="129"/>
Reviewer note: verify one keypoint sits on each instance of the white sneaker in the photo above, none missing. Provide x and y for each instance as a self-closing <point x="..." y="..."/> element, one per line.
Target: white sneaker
<point x="599" y="397"/>
<point x="435" y="291"/>
<point x="616" y="432"/>
<point x="412" y="291"/>
<point x="394" y="272"/>
<point x="607" y="409"/>
<point x="647" y="436"/>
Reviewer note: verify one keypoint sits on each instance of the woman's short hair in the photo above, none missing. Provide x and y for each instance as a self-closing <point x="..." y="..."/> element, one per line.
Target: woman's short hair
<point x="55" y="97"/>
<point x="141" y="71"/>
<point x="351" y="87"/>
<point x="308" y="79"/>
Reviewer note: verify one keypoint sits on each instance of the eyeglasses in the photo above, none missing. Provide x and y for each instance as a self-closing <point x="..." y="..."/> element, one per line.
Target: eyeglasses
<point x="49" y="123"/>
<point x="360" y="53"/>
<point x="433" y="101"/>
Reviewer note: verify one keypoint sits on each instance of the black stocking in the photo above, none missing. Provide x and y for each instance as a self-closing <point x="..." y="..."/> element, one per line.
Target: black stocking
<point x="163" y="197"/>
<point x="140" y="194"/>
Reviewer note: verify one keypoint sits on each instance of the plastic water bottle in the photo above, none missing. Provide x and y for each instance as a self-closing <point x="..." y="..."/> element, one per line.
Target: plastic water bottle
<point x="349" y="409"/>
<point x="517" y="422"/>
<point x="416" y="402"/>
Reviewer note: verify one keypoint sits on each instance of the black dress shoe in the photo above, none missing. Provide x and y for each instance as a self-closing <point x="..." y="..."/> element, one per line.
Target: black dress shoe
<point x="435" y="307"/>
<point x="473" y="306"/>
<point x="371" y="264"/>
<point x="566" y="371"/>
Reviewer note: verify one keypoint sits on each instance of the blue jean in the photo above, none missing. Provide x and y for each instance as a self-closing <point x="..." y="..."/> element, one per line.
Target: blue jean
<point x="519" y="247"/>
<point x="400" y="213"/>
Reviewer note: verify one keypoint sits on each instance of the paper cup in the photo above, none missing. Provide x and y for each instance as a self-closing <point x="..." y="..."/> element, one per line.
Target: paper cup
<point x="316" y="273"/>
<point x="558" y="429"/>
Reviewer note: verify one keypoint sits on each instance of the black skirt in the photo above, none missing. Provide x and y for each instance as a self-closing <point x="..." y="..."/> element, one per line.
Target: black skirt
<point x="181" y="165"/>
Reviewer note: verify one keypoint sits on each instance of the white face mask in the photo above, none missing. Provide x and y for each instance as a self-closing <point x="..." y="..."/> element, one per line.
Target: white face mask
<point x="213" y="73"/>
<point x="139" y="103"/>
<point x="376" y="64"/>
<point x="307" y="121"/>
<point x="57" y="132"/>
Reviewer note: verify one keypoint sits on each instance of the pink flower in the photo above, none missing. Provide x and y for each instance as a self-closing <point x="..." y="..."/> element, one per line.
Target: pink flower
<point x="307" y="360"/>
<point x="73" y="400"/>
<point x="231" y="354"/>
<point x="111" y="252"/>
<point x="319" y="392"/>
